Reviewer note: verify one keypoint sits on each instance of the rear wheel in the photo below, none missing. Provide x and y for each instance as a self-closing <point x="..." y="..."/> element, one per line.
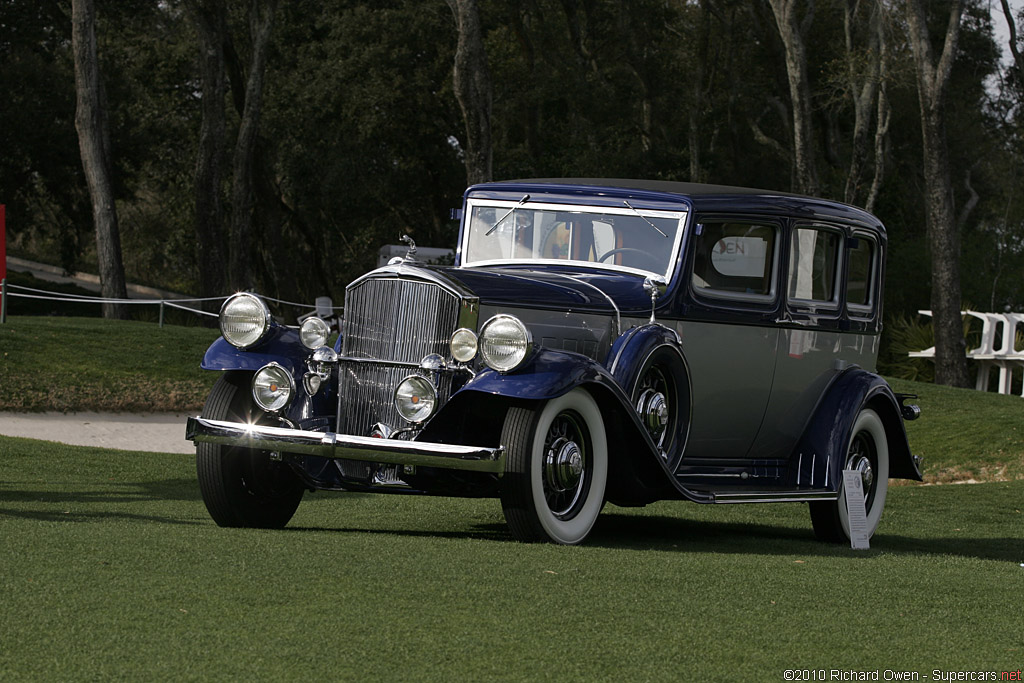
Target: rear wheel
<point x="243" y="487"/>
<point x="556" y="468"/>
<point x="867" y="453"/>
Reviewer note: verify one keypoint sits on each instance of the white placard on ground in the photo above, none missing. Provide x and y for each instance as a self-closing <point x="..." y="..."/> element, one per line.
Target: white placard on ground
<point x="855" y="511"/>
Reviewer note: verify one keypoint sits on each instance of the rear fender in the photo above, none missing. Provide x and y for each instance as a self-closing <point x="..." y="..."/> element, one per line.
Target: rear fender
<point x="818" y="457"/>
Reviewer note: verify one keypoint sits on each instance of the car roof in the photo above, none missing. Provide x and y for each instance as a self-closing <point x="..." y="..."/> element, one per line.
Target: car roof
<point x="702" y="197"/>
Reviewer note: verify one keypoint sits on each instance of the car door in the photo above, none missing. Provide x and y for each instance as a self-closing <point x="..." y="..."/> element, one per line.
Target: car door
<point x="728" y="334"/>
<point x="811" y="333"/>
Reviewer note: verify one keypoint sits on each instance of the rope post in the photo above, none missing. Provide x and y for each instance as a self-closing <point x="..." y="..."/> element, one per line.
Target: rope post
<point x="161" y="312"/>
<point x="3" y="300"/>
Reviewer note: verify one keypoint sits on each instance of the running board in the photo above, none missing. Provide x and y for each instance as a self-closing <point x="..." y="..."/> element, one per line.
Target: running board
<point x="773" y="496"/>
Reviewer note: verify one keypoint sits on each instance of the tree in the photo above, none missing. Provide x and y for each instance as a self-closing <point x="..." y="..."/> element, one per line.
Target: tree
<point x="1014" y="48"/>
<point x="94" y="145"/>
<point x="940" y="218"/>
<point x="472" y="83"/>
<point x="864" y="75"/>
<point x="211" y="28"/>
<point x="261" y="20"/>
<point x="792" y="30"/>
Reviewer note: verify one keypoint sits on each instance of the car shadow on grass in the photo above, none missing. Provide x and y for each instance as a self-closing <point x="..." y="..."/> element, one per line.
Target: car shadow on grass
<point x="687" y="535"/>
<point x="88" y="505"/>
<point x="173" y="490"/>
<point x="62" y="515"/>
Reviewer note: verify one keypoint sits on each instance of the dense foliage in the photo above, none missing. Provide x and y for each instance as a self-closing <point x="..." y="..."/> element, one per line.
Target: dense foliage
<point x="360" y="137"/>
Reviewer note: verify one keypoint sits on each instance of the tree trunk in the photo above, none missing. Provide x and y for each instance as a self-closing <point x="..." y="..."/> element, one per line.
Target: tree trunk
<point x="1014" y="49"/>
<point x="94" y="145"/>
<point x="882" y="116"/>
<point x="863" y="84"/>
<point x="702" y="20"/>
<point x="211" y="26"/>
<point x="940" y="219"/>
<point x="472" y="84"/>
<point x="791" y="31"/>
<point x="261" y="19"/>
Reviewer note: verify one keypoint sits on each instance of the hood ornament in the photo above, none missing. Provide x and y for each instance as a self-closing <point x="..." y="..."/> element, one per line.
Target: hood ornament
<point x="411" y="254"/>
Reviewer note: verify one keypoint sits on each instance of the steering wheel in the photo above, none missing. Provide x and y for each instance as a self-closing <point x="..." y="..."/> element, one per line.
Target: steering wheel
<point x="630" y="250"/>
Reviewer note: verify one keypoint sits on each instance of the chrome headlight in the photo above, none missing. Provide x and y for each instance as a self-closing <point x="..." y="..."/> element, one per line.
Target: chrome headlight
<point x="505" y="343"/>
<point x="273" y="387"/>
<point x="244" y="320"/>
<point x="463" y="345"/>
<point x="415" y="399"/>
<point x="314" y="333"/>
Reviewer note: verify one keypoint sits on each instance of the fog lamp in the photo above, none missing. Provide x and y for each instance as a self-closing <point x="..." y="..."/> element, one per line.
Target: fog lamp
<point x="415" y="399"/>
<point x="272" y="387"/>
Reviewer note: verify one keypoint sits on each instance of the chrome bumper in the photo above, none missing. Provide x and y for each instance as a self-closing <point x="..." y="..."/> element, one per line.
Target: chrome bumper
<point x="330" y="445"/>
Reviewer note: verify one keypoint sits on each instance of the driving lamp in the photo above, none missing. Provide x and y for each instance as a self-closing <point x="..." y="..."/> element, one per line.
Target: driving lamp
<point x="314" y="332"/>
<point x="463" y="345"/>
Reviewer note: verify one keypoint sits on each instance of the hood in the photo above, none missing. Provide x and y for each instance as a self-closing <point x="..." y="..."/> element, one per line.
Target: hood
<point x="555" y="288"/>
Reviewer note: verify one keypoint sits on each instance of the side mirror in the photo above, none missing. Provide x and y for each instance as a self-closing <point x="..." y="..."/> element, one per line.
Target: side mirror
<point x="655" y="286"/>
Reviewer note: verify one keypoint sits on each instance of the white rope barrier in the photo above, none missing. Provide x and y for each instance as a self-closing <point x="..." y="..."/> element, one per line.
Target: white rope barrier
<point x="44" y="295"/>
<point x="88" y="297"/>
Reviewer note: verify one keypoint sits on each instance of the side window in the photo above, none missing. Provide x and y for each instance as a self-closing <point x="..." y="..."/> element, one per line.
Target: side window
<point x="860" y="275"/>
<point x="814" y="262"/>
<point x="735" y="260"/>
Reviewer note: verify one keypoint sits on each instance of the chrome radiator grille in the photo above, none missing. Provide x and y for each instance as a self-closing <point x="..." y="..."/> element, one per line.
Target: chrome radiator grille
<point x="396" y="322"/>
<point x="366" y="395"/>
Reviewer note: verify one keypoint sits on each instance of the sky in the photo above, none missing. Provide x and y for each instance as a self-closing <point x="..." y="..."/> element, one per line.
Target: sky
<point x="1002" y="33"/>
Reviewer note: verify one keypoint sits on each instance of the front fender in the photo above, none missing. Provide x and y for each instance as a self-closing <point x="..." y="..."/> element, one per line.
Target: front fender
<point x="818" y="457"/>
<point x="632" y="348"/>
<point x="548" y="374"/>
<point x="476" y="413"/>
<point x="282" y="345"/>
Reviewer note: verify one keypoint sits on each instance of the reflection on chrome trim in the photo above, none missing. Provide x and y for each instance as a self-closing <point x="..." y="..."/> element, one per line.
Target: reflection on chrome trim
<point x="774" y="496"/>
<point x="330" y="445"/>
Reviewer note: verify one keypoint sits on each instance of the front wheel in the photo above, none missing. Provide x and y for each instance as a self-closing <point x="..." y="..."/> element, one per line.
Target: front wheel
<point x="243" y="487"/>
<point x="556" y="468"/>
<point x="867" y="453"/>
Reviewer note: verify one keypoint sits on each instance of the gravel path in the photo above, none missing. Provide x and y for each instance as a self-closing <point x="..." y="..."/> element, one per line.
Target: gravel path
<point x="159" y="433"/>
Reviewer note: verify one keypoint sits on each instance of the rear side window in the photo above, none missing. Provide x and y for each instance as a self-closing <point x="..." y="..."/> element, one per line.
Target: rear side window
<point x="735" y="260"/>
<point x="860" y="275"/>
<point x="814" y="263"/>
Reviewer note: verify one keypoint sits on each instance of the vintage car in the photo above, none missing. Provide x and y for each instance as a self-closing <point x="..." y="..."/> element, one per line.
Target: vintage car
<point x="595" y="340"/>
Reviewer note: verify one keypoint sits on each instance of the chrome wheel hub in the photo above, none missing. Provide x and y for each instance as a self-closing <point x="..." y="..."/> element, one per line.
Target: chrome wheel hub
<point x="862" y="464"/>
<point x="652" y="407"/>
<point x="563" y="465"/>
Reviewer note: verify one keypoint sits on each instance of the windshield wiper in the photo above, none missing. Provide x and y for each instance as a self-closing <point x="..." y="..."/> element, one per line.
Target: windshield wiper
<point x="494" y="227"/>
<point x="641" y="216"/>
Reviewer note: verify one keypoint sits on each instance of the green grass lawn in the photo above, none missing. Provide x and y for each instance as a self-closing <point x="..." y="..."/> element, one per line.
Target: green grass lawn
<point x="69" y="364"/>
<point x="110" y="568"/>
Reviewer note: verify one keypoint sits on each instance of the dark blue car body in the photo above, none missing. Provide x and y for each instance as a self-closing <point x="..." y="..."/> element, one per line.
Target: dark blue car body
<point x="631" y="341"/>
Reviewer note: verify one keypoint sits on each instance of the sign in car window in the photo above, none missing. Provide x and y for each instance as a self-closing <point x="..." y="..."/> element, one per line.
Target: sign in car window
<point x="735" y="260"/>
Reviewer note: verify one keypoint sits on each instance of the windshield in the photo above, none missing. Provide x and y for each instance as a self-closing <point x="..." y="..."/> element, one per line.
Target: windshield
<point x="641" y="240"/>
